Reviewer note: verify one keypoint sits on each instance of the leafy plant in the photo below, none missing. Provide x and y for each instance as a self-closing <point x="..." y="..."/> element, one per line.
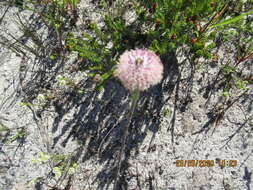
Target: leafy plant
<point x="167" y="112"/>
<point x="61" y="163"/>
<point x="20" y="135"/>
<point x="3" y="128"/>
<point x="42" y="158"/>
<point x="97" y="57"/>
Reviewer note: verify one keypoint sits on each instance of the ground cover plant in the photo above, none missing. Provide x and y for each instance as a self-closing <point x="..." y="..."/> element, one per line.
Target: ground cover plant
<point x="74" y="58"/>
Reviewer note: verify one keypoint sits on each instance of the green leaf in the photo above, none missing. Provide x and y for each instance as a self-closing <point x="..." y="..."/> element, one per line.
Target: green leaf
<point x="167" y="112"/>
<point x="95" y="67"/>
<point x="72" y="169"/>
<point x="43" y="157"/>
<point x="59" y="157"/>
<point x="26" y="104"/>
<point x="53" y="57"/>
<point x="229" y="69"/>
<point x="240" y="84"/>
<point x="231" y="20"/>
<point x="80" y="92"/>
<point x="225" y="93"/>
<point x="210" y="46"/>
<point x="57" y="171"/>
<point x="3" y="128"/>
<point x="106" y="75"/>
<point x="20" y="134"/>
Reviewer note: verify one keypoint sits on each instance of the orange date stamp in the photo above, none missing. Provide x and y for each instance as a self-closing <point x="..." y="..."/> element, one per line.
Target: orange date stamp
<point x="206" y="163"/>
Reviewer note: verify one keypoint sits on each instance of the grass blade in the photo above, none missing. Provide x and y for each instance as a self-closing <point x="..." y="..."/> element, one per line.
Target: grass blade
<point x="231" y="20"/>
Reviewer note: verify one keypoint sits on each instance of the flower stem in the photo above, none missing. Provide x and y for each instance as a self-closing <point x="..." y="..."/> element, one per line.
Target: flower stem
<point x="135" y="96"/>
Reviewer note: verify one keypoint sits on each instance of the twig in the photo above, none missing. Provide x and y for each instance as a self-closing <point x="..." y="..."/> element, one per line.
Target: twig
<point x="216" y="16"/>
<point x="237" y="131"/>
<point x="244" y="59"/>
<point x="221" y="114"/>
<point x="103" y="140"/>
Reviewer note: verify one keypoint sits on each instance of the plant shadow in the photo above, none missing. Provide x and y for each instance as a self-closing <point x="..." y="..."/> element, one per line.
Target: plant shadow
<point x="100" y="117"/>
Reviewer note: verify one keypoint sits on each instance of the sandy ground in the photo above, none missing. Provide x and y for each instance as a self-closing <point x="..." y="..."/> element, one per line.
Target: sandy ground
<point x="78" y="125"/>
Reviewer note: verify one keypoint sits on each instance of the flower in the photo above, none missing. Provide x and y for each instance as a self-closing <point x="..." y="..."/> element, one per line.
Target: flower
<point x="139" y="69"/>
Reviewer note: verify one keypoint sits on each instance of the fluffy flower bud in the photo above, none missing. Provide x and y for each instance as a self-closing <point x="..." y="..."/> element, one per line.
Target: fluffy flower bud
<point x="139" y="69"/>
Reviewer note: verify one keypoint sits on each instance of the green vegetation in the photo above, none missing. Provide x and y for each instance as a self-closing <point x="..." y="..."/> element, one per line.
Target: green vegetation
<point x="163" y="26"/>
<point x="159" y="25"/>
<point x="61" y="163"/>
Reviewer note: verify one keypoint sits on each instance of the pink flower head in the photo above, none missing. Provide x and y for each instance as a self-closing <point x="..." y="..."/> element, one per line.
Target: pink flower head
<point x="139" y="69"/>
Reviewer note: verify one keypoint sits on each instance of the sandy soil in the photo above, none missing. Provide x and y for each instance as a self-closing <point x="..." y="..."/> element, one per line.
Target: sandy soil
<point x="174" y="121"/>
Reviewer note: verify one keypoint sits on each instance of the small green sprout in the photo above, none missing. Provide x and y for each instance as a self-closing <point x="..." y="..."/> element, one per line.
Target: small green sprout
<point x="241" y="84"/>
<point x="225" y="94"/>
<point x="26" y="104"/>
<point x="42" y="158"/>
<point x="3" y="128"/>
<point x="21" y="134"/>
<point x="167" y="112"/>
<point x="57" y="171"/>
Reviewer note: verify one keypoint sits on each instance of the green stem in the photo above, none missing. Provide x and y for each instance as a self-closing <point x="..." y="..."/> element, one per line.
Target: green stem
<point x="135" y="96"/>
